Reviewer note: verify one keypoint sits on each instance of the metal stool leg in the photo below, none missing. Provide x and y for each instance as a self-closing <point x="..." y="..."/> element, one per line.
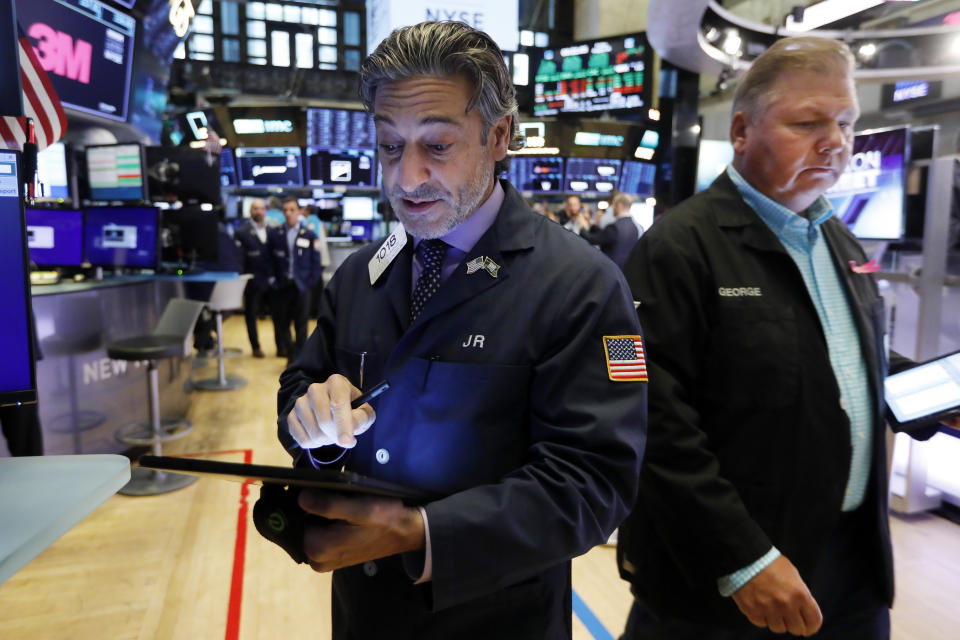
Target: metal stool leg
<point x="222" y="382"/>
<point x="148" y="482"/>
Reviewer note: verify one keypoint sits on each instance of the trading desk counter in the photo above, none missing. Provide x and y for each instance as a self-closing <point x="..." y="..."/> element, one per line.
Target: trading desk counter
<point x="84" y="395"/>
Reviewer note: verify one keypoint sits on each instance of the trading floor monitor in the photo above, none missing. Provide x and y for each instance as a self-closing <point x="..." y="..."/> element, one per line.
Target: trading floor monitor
<point x="17" y="375"/>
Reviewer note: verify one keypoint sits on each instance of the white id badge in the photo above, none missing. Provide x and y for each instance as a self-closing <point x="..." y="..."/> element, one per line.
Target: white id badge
<point x="389" y="250"/>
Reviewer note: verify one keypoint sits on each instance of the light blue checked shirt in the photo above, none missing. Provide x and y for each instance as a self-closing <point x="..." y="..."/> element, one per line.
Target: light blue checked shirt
<point x="803" y="240"/>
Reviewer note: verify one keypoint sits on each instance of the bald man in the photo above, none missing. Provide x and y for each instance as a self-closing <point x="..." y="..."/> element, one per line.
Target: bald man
<point x="252" y="237"/>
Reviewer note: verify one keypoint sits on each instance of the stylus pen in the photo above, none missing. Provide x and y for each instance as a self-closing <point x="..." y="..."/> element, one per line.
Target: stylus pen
<point x="364" y="398"/>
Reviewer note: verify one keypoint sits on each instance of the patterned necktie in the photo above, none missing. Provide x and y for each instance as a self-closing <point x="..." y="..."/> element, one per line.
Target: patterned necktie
<point x="431" y="253"/>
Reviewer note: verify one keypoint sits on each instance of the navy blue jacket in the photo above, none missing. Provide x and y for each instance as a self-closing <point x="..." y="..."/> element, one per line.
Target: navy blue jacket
<point x="257" y="257"/>
<point x="615" y="240"/>
<point x="307" y="269"/>
<point x="500" y="399"/>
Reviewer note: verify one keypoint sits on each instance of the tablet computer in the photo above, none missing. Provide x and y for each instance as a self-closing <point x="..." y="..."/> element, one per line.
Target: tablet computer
<point x="332" y="479"/>
<point x="926" y="393"/>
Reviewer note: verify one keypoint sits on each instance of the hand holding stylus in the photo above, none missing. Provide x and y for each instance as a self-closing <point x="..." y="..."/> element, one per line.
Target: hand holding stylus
<point x="332" y="412"/>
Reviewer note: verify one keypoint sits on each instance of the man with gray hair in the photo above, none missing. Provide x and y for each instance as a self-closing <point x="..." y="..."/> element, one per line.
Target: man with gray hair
<point x="763" y="497"/>
<point x="515" y="365"/>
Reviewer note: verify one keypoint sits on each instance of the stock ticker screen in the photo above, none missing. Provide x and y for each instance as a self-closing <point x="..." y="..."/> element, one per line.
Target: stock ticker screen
<point x="601" y="75"/>
<point x="536" y="174"/>
<point x="599" y="175"/>
<point x="340" y="129"/>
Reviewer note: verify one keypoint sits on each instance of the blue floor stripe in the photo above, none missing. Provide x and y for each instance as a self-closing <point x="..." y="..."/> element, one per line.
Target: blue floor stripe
<point x="589" y="620"/>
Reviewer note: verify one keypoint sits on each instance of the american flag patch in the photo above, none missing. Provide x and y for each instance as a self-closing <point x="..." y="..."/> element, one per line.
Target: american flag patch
<point x="625" y="359"/>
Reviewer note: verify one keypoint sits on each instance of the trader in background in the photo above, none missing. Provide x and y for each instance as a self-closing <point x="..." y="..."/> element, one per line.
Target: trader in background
<point x="763" y="496"/>
<point x="296" y="267"/>
<point x="253" y="237"/>
<point x="616" y="239"/>
<point x="515" y="366"/>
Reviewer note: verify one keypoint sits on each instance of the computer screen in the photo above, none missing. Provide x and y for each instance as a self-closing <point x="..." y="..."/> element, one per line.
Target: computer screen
<point x="17" y="379"/>
<point x="53" y="182"/>
<point x="269" y="166"/>
<point x="115" y="173"/>
<point x="55" y="237"/>
<point x="600" y="75"/>
<point x="638" y="178"/>
<point x="228" y="168"/>
<point x="340" y="129"/>
<point x="343" y="167"/>
<point x="355" y="208"/>
<point x="537" y="174"/>
<point x="183" y="174"/>
<point x="869" y="196"/>
<point x="599" y="175"/>
<point x="121" y="237"/>
<point x="189" y="235"/>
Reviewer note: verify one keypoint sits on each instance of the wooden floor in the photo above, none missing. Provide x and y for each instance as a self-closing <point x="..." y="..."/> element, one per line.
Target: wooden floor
<point x="181" y="565"/>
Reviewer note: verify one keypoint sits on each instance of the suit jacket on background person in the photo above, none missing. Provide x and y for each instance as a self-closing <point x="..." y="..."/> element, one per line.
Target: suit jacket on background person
<point x="615" y="240"/>
<point x="307" y="268"/>
<point x="748" y="447"/>
<point x="499" y="399"/>
<point x="257" y="258"/>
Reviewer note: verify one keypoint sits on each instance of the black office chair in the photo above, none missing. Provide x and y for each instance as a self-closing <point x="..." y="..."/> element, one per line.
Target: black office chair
<point x="168" y="340"/>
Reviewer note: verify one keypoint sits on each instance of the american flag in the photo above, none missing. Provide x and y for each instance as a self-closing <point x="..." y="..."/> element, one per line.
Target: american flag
<point x="40" y="102"/>
<point x="625" y="359"/>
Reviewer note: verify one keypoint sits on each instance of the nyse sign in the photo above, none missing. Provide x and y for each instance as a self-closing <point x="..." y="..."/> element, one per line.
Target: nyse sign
<point x="497" y="17"/>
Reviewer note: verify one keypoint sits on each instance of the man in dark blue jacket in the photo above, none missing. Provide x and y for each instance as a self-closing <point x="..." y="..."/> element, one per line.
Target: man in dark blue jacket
<point x="253" y="237"/>
<point x="515" y="364"/>
<point x="617" y="239"/>
<point x="296" y="267"/>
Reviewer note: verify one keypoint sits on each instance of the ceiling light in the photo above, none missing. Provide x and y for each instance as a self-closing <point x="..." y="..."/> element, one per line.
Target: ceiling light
<point x="867" y="50"/>
<point x="731" y="45"/>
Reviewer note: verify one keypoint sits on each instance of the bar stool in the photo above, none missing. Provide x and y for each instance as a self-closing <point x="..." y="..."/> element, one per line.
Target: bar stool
<point x="168" y="340"/>
<point x="227" y="295"/>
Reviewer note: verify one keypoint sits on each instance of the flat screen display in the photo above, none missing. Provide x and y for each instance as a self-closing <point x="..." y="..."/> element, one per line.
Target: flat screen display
<point x="269" y="166"/>
<point x="183" y="174"/>
<point x="55" y="237"/>
<point x="53" y="183"/>
<point x="228" y="169"/>
<point x="869" y="196"/>
<point x="86" y="47"/>
<point x="340" y="129"/>
<point x="600" y="175"/>
<point x="344" y="167"/>
<point x="355" y="208"/>
<point x="17" y="382"/>
<point x="120" y="237"/>
<point x="537" y="174"/>
<point x="115" y="172"/>
<point x="638" y="178"/>
<point x="600" y="75"/>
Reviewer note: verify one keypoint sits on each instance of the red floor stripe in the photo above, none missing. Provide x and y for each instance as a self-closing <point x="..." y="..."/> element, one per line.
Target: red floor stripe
<point x="239" y="546"/>
<point x="239" y="554"/>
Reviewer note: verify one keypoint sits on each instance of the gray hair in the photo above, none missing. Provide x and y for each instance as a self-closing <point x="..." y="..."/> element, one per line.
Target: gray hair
<point x="445" y="49"/>
<point x="804" y="53"/>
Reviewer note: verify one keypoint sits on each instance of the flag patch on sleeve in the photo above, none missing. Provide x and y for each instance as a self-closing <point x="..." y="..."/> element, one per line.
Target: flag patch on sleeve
<point x="625" y="359"/>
